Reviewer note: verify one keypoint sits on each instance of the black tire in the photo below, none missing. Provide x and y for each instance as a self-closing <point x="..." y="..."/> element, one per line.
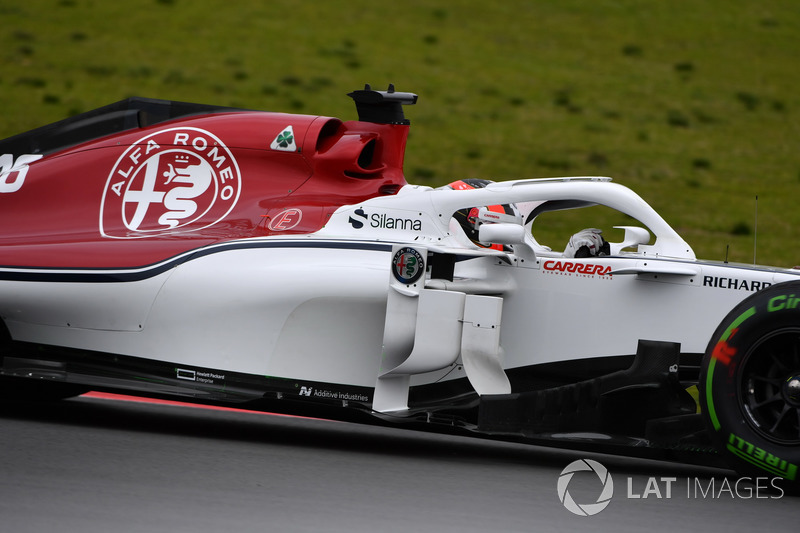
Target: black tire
<point x="749" y="384"/>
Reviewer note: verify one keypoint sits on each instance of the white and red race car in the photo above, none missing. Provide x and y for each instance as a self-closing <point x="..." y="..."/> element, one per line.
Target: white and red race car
<point x="281" y="262"/>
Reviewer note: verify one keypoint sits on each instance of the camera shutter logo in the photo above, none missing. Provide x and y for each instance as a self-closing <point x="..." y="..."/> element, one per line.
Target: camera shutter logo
<point x="586" y="509"/>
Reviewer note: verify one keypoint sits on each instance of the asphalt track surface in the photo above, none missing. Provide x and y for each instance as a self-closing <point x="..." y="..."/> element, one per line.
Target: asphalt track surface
<point x="94" y="464"/>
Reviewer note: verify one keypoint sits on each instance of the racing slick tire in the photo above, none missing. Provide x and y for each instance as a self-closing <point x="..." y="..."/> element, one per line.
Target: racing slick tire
<point x="750" y="385"/>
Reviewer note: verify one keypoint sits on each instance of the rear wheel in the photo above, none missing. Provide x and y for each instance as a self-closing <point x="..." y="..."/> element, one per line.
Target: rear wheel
<point x="750" y="384"/>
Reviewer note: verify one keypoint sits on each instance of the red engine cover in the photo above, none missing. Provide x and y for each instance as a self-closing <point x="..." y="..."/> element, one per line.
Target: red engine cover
<point x="146" y="194"/>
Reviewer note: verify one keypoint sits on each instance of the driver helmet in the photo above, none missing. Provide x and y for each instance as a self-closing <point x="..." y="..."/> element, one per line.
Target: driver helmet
<point x="468" y="217"/>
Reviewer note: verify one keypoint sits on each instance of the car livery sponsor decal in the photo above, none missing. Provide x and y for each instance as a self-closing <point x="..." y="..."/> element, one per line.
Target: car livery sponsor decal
<point x="327" y="394"/>
<point x="383" y="221"/>
<point x="13" y="171"/>
<point x="285" y="220"/>
<point x="734" y="283"/>
<point x="181" y="179"/>
<point x="569" y="268"/>
<point x="198" y="376"/>
<point x="407" y="265"/>
<point x="284" y="142"/>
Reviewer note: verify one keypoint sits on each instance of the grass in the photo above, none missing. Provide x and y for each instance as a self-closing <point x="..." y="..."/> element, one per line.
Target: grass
<point x="693" y="105"/>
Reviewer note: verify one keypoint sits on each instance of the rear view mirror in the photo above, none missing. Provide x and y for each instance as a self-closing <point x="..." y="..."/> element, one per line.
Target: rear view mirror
<point x="634" y="236"/>
<point x="501" y="233"/>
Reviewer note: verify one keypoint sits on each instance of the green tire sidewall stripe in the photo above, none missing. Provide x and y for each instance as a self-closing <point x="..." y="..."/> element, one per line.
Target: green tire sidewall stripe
<point x="738" y="322"/>
<point x="712" y="412"/>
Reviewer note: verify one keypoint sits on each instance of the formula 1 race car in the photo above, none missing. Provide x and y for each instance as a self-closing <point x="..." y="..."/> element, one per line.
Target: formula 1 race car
<point x="281" y="262"/>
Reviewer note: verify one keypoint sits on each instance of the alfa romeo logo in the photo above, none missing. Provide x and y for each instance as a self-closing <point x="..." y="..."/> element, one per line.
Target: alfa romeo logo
<point x="407" y="265"/>
<point x="175" y="179"/>
<point x="585" y="509"/>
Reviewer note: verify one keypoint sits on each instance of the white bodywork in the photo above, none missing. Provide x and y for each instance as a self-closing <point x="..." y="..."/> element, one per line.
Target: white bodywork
<point x="325" y="307"/>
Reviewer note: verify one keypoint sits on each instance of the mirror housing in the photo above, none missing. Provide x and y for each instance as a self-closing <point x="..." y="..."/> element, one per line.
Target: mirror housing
<point x="634" y="236"/>
<point x="501" y="233"/>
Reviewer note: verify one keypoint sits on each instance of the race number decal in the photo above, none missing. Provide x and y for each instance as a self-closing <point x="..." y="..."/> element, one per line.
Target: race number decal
<point x="13" y="171"/>
<point x="179" y="179"/>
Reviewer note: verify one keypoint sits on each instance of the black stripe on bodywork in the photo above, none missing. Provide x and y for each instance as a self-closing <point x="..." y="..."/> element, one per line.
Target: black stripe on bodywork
<point x="117" y="275"/>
